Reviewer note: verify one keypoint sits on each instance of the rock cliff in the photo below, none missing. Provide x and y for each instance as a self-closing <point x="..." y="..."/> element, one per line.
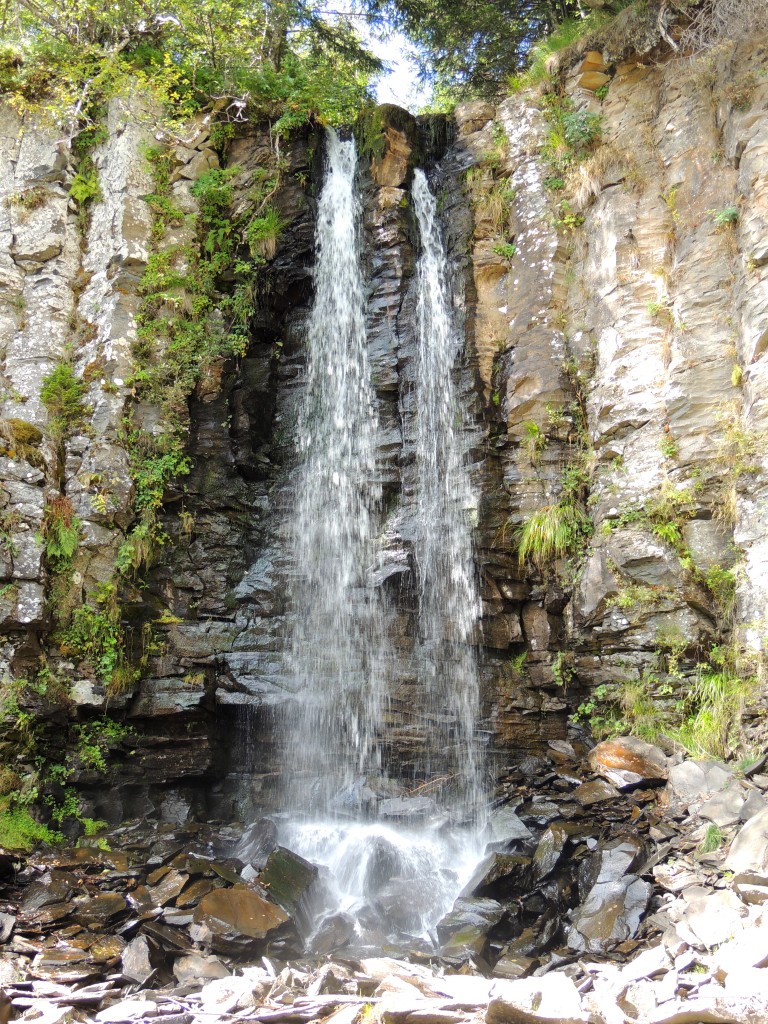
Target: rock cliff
<point x="616" y="327"/>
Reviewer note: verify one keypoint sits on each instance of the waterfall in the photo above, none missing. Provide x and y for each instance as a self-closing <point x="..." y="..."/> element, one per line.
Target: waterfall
<point x="449" y="604"/>
<point x="335" y="659"/>
<point x="403" y="871"/>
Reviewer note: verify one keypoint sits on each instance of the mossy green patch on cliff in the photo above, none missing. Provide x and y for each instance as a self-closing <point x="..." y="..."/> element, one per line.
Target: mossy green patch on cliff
<point x="63" y="395"/>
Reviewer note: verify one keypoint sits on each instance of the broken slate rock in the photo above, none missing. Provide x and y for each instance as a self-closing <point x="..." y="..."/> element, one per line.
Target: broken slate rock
<point x="410" y="808"/>
<point x="333" y="932"/>
<point x="595" y="792"/>
<point x="290" y="880"/>
<point x="504" y="826"/>
<point x="498" y="875"/>
<point x="241" y="911"/>
<point x="258" y="841"/>
<point x="610" y="914"/>
<point x="552" y="999"/>
<point x="629" y="762"/>
<point x="548" y="852"/>
<point x="693" y="782"/>
<point x="712" y="919"/>
<point x="197" y="967"/>
<point x="611" y="861"/>
<point x="724" y="808"/>
<point x="748" y="856"/>
<point x="467" y="926"/>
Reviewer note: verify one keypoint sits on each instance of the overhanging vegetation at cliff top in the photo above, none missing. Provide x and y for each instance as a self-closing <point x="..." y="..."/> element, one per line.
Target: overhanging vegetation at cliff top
<point x="279" y="59"/>
<point x="296" y="60"/>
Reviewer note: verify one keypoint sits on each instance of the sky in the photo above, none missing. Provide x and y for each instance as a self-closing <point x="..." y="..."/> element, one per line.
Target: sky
<point x="400" y="85"/>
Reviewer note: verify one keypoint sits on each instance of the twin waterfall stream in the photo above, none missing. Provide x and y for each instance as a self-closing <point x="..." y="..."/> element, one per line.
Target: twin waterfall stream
<point x="421" y="847"/>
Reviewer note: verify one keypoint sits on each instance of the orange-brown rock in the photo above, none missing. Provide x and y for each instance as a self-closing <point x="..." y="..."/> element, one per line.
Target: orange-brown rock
<point x="240" y="910"/>
<point x="628" y="762"/>
<point x="593" y="61"/>
<point x="392" y="168"/>
<point x="594" y="80"/>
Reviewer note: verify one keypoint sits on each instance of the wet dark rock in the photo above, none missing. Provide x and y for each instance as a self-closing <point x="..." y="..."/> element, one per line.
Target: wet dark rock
<point x="168" y="888"/>
<point x="628" y="762"/>
<point x="259" y="840"/>
<point x="611" y="861"/>
<point x="166" y="938"/>
<point x="541" y="812"/>
<point x="595" y="792"/>
<point x="54" y="887"/>
<point x="411" y="808"/>
<point x="403" y="903"/>
<point x="100" y="909"/>
<point x="505" y="827"/>
<point x="333" y="932"/>
<point x="241" y="912"/>
<point x="515" y="966"/>
<point x="292" y="882"/>
<point x="498" y="875"/>
<point x="609" y="915"/>
<point x="384" y="863"/>
<point x="467" y="926"/>
<point x="548" y="852"/>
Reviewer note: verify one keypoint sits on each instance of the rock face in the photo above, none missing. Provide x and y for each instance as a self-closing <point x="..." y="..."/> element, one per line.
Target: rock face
<point x="650" y="316"/>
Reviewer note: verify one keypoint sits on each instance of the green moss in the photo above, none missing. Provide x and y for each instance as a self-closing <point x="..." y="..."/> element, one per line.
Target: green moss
<point x="63" y="396"/>
<point x="20" y="831"/>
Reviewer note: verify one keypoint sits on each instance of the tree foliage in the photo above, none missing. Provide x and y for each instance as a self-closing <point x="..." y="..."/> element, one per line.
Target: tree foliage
<point x="275" y="58"/>
<point x="472" y="46"/>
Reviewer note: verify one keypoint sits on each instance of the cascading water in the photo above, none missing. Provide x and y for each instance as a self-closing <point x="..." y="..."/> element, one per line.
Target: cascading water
<point x="449" y="604"/>
<point x="392" y="877"/>
<point x="336" y="654"/>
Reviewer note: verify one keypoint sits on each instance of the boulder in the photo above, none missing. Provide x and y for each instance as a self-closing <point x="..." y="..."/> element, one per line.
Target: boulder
<point x="595" y="792"/>
<point x="242" y="919"/>
<point x="258" y="842"/>
<point x="693" y="782"/>
<point x="748" y="855"/>
<point x="553" y="999"/>
<point x="629" y="762"/>
<point x="504" y="827"/>
<point x="333" y="932"/>
<point x="468" y="924"/>
<point x="292" y="882"/>
<point x="610" y="914"/>
<point x="711" y="919"/>
<point x="498" y="875"/>
<point x="548" y="852"/>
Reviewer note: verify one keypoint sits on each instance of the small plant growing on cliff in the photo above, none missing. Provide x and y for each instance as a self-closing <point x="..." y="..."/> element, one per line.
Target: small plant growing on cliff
<point x="505" y="249"/>
<point x="553" y="532"/>
<point x="534" y="441"/>
<point x="263" y="232"/>
<point x="61" y="533"/>
<point x="668" y="445"/>
<point x="726" y="217"/>
<point x="63" y="396"/>
<point x="562" y="669"/>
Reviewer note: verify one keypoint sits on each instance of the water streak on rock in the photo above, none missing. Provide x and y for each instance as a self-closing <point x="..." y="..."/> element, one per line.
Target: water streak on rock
<point x="335" y="655"/>
<point x="449" y="605"/>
